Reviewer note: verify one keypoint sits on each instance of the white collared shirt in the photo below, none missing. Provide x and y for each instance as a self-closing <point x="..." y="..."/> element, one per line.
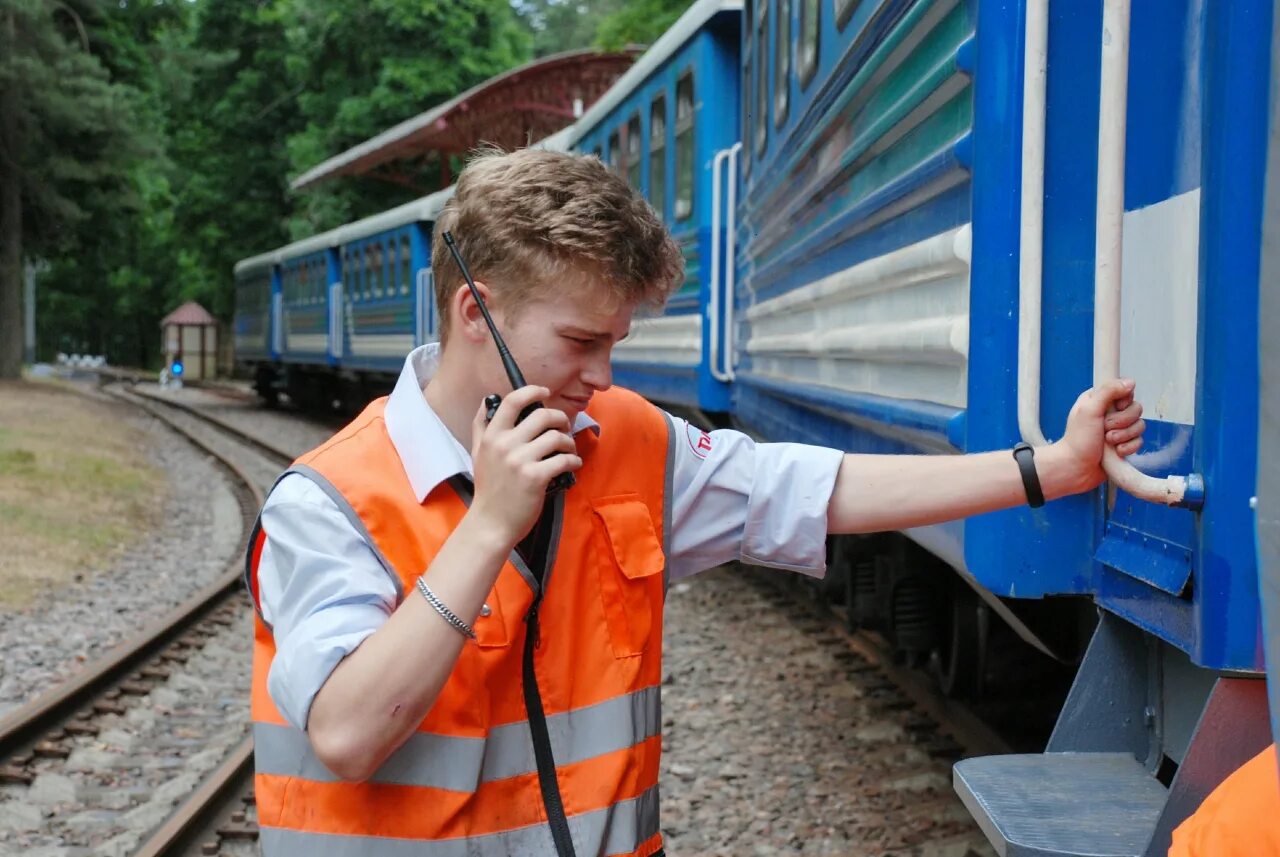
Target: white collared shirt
<point x="323" y="590"/>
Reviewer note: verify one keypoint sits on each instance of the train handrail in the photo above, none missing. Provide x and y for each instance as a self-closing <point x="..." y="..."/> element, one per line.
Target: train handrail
<point x="731" y="254"/>
<point x="1031" y="238"/>
<point x="277" y="322"/>
<point x="1181" y="491"/>
<point x="335" y="318"/>
<point x="422" y="311"/>
<point x="713" y="286"/>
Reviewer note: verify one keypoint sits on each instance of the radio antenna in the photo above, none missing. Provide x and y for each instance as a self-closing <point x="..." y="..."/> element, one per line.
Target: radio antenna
<point x="508" y="362"/>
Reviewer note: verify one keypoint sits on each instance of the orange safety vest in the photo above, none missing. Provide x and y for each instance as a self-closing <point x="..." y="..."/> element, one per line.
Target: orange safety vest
<point x="1240" y="818"/>
<point x="475" y="779"/>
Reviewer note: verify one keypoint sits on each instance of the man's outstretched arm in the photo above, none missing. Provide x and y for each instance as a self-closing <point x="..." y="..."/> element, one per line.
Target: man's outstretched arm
<point x="876" y="493"/>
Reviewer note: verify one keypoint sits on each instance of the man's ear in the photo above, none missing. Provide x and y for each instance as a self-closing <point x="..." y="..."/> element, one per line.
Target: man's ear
<point x="466" y="312"/>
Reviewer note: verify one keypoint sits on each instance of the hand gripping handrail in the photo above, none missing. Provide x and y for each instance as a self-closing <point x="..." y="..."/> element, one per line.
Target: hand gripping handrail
<point x="1183" y="491"/>
<point x="1031" y="240"/>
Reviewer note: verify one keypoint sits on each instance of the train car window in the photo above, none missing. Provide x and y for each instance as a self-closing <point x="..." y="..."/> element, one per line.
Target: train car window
<point x="810" y="14"/>
<point x="844" y="10"/>
<point x="615" y="152"/>
<point x="375" y="269"/>
<point x="762" y="76"/>
<point x="406" y="265"/>
<point x="658" y="156"/>
<point x="634" y="145"/>
<point x="684" y="146"/>
<point x="782" y="63"/>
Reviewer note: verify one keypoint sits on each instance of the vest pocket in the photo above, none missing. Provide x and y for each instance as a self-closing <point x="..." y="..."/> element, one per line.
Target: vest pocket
<point x="630" y="563"/>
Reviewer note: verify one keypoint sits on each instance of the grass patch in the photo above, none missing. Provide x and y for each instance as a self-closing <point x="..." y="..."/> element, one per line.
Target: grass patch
<point x="76" y="487"/>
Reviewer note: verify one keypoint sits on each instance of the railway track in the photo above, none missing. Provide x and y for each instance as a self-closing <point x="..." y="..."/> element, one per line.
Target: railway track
<point x="47" y="727"/>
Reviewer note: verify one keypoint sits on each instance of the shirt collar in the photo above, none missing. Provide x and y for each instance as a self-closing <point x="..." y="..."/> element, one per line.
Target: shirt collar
<point x="429" y="453"/>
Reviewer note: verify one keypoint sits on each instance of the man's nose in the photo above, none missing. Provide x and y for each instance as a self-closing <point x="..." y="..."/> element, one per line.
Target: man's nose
<point x="598" y="372"/>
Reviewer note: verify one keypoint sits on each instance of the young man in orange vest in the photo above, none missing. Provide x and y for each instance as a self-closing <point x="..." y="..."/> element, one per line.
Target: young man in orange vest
<point x="451" y="661"/>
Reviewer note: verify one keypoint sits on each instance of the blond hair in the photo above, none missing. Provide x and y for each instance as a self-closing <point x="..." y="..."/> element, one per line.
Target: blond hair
<point x="530" y="220"/>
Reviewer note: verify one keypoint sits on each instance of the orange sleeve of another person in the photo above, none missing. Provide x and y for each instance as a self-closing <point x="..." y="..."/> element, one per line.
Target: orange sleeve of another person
<point x="1240" y="818"/>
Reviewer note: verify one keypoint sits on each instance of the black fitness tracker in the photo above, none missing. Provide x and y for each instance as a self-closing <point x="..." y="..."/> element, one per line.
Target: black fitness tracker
<point x="1024" y="453"/>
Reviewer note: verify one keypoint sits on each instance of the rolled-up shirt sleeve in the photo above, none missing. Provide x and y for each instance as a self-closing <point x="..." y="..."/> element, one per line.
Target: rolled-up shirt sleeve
<point x="322" y="590"/>
<point x="760" y="503"/>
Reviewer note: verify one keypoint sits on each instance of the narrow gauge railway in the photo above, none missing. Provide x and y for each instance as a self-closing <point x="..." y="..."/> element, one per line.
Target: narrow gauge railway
<point x="50" y="740"/>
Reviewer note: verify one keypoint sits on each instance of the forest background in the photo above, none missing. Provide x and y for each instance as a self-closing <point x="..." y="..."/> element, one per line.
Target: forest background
<point x="147" y="146"/>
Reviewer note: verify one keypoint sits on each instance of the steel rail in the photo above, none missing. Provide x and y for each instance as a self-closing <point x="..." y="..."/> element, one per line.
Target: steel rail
<point x="23" y="726"/>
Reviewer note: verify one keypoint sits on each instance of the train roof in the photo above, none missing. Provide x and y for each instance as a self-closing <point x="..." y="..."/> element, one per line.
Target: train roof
<point x="693" y="20"/>
<point x="262" y="260"/>
<point x="506" y="108"/>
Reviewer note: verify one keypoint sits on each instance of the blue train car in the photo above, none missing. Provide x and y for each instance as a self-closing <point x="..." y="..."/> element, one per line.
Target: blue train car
<point x="340" y="311"/>
<point x="256" y="326"/>
<point x="349" y="304"/>
<point x="1154" y="129"/>
<point x="256" y="289"/>
<point x="852" y="250"/>
<point x="661" y="126"/>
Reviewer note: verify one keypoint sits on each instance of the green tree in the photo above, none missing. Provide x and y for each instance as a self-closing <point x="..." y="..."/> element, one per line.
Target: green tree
<point x="68" y="145"/>
<point x="565" y="25"/>
<point x="638" y="22"/>
<point x="361" y="66"/>
<point x="230" y="145"/>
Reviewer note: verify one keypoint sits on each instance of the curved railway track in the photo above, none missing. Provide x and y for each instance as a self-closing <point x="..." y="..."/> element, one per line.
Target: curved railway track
<point x="43" y="727"/>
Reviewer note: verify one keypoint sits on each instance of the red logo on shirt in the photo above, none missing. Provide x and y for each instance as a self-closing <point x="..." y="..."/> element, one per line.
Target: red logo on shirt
<point x="699" y="440"/>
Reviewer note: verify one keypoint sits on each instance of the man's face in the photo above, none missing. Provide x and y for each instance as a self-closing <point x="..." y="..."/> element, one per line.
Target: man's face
<point x="564" y="341"/>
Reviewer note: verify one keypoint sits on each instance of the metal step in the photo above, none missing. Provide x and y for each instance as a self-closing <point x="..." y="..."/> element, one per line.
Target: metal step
<point x="1062" y="804"/>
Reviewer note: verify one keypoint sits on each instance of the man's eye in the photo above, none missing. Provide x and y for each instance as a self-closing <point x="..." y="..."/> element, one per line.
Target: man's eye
<point x="579" y="341"/>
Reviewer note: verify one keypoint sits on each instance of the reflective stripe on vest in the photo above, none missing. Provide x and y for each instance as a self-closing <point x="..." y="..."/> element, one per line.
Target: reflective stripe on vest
<point x="462" y="764"/>
<point x="623" y="828"/>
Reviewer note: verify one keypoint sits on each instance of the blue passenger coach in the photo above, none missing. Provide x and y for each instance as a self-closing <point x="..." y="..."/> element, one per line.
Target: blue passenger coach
<point x="329" y="319"/>
<point x="951" y="221"/>
<point x="256" y="290"/>
<point x="350" y="304"/>
<point x="661" y="126"/>
<point x="1145" y="262"/>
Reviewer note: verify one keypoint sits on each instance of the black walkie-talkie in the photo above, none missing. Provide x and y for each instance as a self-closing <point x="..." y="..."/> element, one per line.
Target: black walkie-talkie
<point x="563" y="481"/>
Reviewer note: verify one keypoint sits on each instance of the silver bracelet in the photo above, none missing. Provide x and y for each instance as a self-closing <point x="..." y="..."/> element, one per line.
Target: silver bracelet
<point x="449" y="616"/>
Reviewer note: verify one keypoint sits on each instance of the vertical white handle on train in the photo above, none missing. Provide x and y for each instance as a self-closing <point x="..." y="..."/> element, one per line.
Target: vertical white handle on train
<point x="1031" y="239"/>
<point x="425" y="294"/>
<point x="731" y="255"/>
<point x="713" y="282"/>
<point x="277" y="319"/>
<point x="335" y="318"/>
<point x="1185" y="491"/>
<point x="721" y="283"/>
